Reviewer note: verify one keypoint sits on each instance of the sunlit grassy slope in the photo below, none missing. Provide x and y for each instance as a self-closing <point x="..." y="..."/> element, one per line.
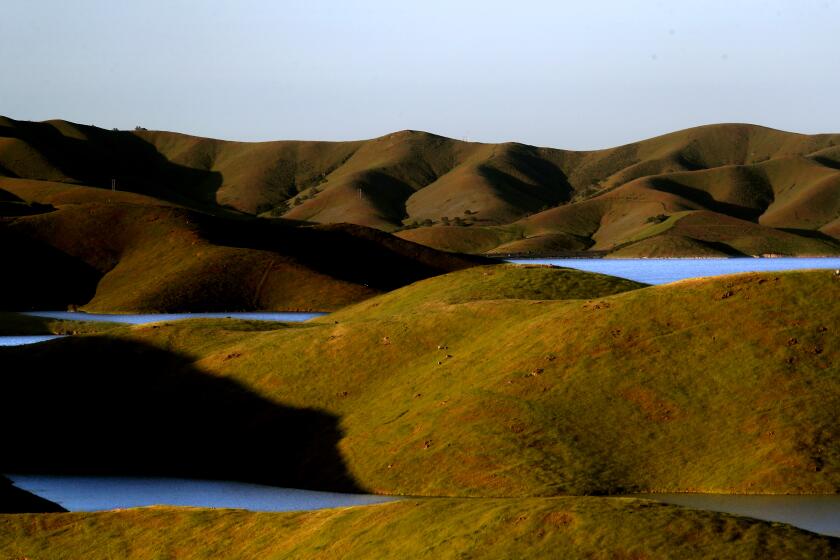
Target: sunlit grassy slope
<point x="591" y="528"/>
<point x="753" y="190"/>
<point x="727" y="384"/>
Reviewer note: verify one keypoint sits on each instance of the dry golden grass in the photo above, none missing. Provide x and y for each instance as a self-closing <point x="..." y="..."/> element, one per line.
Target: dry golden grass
<point x="573" y="528"/>
<point x="126" y="252"/>
<point x="557" y="201"/>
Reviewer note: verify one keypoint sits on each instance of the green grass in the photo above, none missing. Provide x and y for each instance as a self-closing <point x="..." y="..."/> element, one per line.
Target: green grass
<point x="717" y="385"/>
<point x="507" y="406"/>
<point x="657" y="228"/>
<point x="517" y="381"/>
<point x="18" y="324"/>
<point x="496" y="282"/>
<point x="590" y="528"/>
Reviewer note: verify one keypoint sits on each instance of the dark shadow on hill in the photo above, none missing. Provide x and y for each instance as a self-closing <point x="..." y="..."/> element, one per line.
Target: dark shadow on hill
<point x="13" y="206"/>
<point x="707" y="201"/>
<point x="15" y="500"/>
<point x="722" y="247"/>
<point x="14" y="209"/>
<point x="687" y="161"/>
<point x="349" y="252"/>
<point x="106" y="155"/>
<point x="812" y="234"/>
<point x="105" y="406"/>
<point x="12" y="324"/>
<point x="387" y="194"/>
<point x="547" y="186"/>
<point x="827" y="161"/>
<point x="6" y="196"/>
<point x="36" y="275"/>
<point x="716" y="246"/>
<point x="4" y="172"/>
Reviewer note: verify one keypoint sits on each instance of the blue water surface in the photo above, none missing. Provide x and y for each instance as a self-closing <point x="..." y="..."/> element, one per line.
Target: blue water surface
<point x="136" y="319"/>
<point x="816" y="513"/>
<point x="94" y="493"/>
<point x="662" y="271"/>
<point x="19" y="340"/>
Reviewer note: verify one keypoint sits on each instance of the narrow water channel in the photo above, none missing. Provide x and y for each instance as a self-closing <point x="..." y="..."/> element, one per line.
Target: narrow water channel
<point x="138" y="318"/>
<point x="20" y="340"/>
<point x="816" y="513"/>
<point x="93" y="493"/>
<point x="662" y="271"/>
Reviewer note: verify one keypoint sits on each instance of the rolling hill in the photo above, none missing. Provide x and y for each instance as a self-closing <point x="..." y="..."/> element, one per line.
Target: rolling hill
<point x="730" y="189"/>
<point x="69" y="245"/>
<point x="543" y="382"/>
<point x="445" y="528"/>
<point x="503" y="393"/>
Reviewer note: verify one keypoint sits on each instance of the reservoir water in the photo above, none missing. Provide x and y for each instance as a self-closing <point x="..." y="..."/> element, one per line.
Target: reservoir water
<point x="819" y="514"/>
<point x="16" y="340"/>
<point x="136" y="319"/>
<point x="93" y="493"/>
<point x="662" y="271"/>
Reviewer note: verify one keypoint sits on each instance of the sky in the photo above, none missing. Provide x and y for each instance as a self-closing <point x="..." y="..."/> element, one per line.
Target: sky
<point x="576" y="75"/>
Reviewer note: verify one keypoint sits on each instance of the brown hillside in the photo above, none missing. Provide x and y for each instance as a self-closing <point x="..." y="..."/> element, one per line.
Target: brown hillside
<point x="124" y="252"/>
<point x="546" y="201"/>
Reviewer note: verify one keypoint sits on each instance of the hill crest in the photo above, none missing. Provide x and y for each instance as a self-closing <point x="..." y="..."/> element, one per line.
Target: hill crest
<point x="477" y="197"/>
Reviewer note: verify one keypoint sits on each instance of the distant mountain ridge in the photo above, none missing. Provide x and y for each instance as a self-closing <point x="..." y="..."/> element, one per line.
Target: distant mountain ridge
<point x="726" y="189"/>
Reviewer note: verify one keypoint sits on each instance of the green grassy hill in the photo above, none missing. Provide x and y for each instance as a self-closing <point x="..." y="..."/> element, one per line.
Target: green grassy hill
<point x="501" y="386"/>
<point x="585" y="528"/>
<point x="759" y="190"/>
<point x="727" y="384"/>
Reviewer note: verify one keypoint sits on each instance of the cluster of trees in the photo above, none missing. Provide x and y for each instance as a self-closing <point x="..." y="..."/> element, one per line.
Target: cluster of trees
<point x="298" y="200"/>
<point x="281" y="208"/>
<point x="445" y="220"/>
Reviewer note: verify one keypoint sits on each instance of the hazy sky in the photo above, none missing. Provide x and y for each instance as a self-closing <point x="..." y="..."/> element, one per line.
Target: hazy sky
<point x="564" y="74"/>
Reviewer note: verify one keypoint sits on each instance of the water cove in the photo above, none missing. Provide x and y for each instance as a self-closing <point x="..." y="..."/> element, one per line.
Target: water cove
<point x="663" y="271"/>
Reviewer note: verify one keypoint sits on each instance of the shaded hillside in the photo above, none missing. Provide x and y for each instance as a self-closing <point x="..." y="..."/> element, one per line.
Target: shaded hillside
<point x="571" y="528"/>
<point x="20" y="324"/>
<point x="751" y="190"/>
<point x="547" y="382"/>
<point x="142" y="410"/>
<point x="15" y="500"/>
<point x="60" y="151"/>
<point x="123" y="252"/>
<point x="782" y="188"/>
